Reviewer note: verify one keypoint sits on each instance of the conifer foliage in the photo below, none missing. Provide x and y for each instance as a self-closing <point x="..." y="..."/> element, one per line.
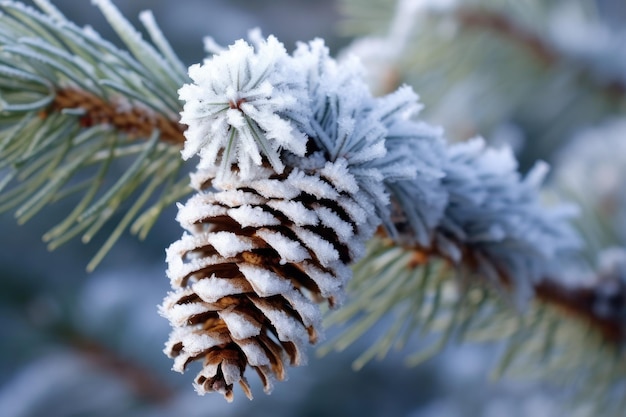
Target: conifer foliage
<point x="301" y="174"/>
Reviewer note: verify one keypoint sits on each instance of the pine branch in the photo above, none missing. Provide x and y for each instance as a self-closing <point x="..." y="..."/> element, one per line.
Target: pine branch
<point x="507" y="28"/>
<point x="267" y="241"/>
<point x="74" y="106"/>
<point x="298" y="165"/>
<point x="501" y="24"/>
<point x="583" y="303"/>
<point x="139" y="379"/>
<point x="565" y="333"/>
<point x="134" y="122"/>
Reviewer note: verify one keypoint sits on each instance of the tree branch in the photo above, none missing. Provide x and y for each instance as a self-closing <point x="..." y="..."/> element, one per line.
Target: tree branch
<point x="600" y="308"/>
<point x="134" y="121"/>
<point x="534" y="44"/>
<point x="139" y="379"/>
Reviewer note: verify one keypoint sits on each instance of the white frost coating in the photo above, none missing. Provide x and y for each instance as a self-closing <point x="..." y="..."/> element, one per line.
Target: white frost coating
<point x="328" y="284"/>
<point x="331" y="220"/>
<point x="308" y="311"/>
<point x="288" y="328"/>
<point x="235" y="198"/>
<point x="289" y="250"/>
<point x="187" y="244"/>
<point x="194" y="211"/>
<point x="323" y="250"/>
<point x="264" y="282"/>
<point x="149" y="22"/>
<point x="355" y="211"/>
<point x="193" y="345"/>
<point x="231" y="372"/>
<point x="493" y="209"/>
<point x="592" y="168"/>
<point x="179" y="314"/>
<point x="199" y="342"/>
<point x="311" y="185"/>
<point x="172" y="298"/>
<point x="275" y="189"/>
<point x="240" y="325"/>
<point x="229" y="244"/>
<point x="208" y="371"/>
<point x="235" y="106"/>
<point x="248" y="216"/>
<point x="339" y="175"/>
<point x="213" y="288"/>
<point x="176" y="336"/>
<point x="295" y="211"/>
<point x="177" y="270"/>
<point x="254" y="352"/>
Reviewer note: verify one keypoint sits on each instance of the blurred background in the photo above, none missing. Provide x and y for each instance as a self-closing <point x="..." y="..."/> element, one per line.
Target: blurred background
<point x="547" y="78"/>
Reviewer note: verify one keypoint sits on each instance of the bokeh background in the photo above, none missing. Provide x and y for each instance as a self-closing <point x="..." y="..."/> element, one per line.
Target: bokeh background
<point x="79" y="344"/>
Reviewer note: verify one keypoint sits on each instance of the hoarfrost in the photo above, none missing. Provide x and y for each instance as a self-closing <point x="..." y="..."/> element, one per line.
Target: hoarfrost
<point x="240" y="325"/>
<point x="288" y="328"/>
<point x="229" y="244"/>
<point x="254" y="352"/>
<point x="264" y="282"/>
<point x="213" y="288"/>
<point x="248" y="216"/>
<point x="233" y="108"/>
<point x="289" y="250"/>
<point x="295" y="211"/>
<point x="323" y="250"/>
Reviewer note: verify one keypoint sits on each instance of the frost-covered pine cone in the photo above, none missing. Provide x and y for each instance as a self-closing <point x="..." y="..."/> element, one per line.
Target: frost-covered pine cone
<point x="290" y="185"/>
<point x="259" y="256"/>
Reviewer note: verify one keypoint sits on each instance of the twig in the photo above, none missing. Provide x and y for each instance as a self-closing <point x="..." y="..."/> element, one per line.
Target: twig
<point x="139" y="379"/>
<point x="508" y="28"/>
<point x="134" y="121"/>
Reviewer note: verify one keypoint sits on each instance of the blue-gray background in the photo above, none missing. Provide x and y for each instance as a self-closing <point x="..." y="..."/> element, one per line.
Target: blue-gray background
<point x="66" y="334"/>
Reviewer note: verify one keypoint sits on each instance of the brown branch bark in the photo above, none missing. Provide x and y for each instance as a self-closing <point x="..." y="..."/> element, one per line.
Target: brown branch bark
<point x="507" y="28"/>
<point x="577" y="301"/>
<point x="533" y="43"/>
<point x="137" y="122"/>
<point x="141" y="381"/>
<point x="582" y="303"/>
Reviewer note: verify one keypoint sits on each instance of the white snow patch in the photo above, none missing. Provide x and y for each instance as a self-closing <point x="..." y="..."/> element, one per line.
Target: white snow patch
<point x="308" y="311"/>
<point x="338" y="174"/>
<point x="179" y="314"/>
<point x="275" y="189"/>
<point x="248" y="216"/>
<point x="356" y="213"/>
<point x="240" y="325"/>
<point x="264" y="282"/>
<point x="289" y="250"/>
<point x="229" y="244"/>
<point x="231" y="372"/>
<point x="328" y="284"/>
<point x="331" y="220"/>
<point x="295" y="211"/>
<point x="190" y="214"/>
<point x="214" y="288"/>
<point x="288" y="328"/>
<point x="254" y="352"/>
<point x="311" y="185"/>
<point x="324" y="250"/>
<point x="236" y="198"/>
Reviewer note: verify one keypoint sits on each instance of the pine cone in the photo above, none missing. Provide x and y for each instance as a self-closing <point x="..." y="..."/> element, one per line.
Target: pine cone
<point x="258" y="257"/>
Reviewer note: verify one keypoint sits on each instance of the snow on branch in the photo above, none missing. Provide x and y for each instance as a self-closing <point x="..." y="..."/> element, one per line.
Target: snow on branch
<point x="299" y="165"/>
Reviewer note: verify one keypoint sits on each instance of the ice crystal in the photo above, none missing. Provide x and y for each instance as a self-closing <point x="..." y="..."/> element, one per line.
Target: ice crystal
<point x="492" y="209"/>
<point x="237" y="108"/>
